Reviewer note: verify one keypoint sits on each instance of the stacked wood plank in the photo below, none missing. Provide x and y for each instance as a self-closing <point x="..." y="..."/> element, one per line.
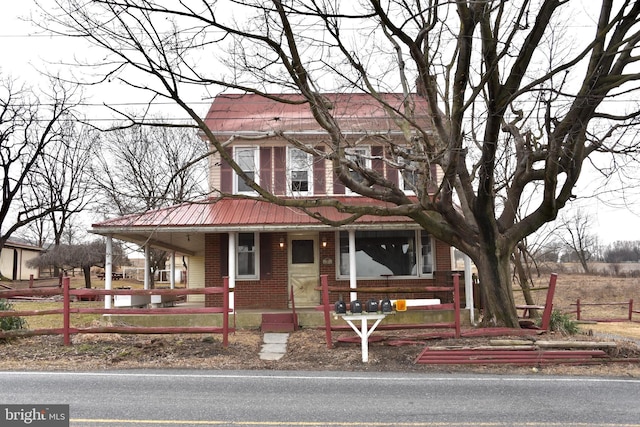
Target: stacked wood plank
<point x="519" y="352"/>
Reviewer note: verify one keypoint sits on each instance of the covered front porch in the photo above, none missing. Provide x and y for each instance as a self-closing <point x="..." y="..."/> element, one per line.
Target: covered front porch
<point x="273" y="256"/>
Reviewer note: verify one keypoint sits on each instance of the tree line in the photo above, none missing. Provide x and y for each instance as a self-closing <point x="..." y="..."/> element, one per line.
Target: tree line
<point x="615" y="252"/>
<point x="58" y="172"/>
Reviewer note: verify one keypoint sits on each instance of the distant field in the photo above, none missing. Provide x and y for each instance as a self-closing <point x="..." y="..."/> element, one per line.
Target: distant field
<point x="595" y="289"/>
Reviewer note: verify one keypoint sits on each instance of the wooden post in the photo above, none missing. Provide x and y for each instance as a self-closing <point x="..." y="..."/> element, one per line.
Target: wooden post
<point x="631" y="310"/>
<point x="225" y="313"/>
<point x="30" y="281"/>
<point x="456" y="302"/>
<point x="325" y="307"/>
<point x="548" y="305"/>
<point x="293" y="310"/>
<point x="578" y="309"/>
<point x="66" y="315"/>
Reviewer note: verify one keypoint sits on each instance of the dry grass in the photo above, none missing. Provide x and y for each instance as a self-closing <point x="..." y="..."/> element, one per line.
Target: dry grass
<point x="306" y="348"/>
<point x="613" y="293"/>
<point x="50" y="321"/>
<point x="625" y="329"/>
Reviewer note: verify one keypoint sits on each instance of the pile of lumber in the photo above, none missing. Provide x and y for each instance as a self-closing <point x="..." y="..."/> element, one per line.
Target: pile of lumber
<point x="520" y="352"/>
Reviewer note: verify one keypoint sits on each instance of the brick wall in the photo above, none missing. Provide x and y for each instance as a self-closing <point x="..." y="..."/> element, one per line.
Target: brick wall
<point x="271" y="290"/>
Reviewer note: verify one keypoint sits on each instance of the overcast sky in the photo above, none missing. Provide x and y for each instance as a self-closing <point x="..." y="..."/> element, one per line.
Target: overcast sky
<point x="24" y="54"/>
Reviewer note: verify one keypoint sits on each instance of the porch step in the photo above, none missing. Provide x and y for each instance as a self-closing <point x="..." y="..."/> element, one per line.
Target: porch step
<point x="277" y="322"/>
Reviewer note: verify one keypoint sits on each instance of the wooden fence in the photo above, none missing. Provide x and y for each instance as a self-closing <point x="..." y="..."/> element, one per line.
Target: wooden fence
<point x="580" y="305"/>
<point x="66" y="330"/>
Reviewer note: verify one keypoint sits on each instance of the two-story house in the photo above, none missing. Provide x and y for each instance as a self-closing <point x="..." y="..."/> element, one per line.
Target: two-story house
<point x="271" y="252"/>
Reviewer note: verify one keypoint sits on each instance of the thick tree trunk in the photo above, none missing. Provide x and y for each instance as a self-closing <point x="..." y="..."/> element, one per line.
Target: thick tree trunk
<point x="495" y="286"/>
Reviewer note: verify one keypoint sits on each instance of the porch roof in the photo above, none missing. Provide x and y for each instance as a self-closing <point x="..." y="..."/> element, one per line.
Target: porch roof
<point x="182" y="227"/>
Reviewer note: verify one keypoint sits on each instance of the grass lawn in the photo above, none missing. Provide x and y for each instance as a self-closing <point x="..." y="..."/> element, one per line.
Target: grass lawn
<point x="51" y="321"/>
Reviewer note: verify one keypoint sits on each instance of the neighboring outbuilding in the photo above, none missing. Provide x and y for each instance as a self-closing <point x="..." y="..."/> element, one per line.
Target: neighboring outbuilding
<point x="14" y="258"/>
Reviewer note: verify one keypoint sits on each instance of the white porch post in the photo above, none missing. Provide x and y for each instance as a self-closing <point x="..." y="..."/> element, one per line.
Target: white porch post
<point x="232" y="270"/>
<point x="108" y="269"/>
<point x="353" y="283"/>
<point x="146" y="267"/>
<point x="468" y="288"/>
<point x="172" y="271"/>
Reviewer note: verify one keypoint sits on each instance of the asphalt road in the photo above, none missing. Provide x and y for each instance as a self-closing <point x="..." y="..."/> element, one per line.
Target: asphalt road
<point x="273" y="398"/>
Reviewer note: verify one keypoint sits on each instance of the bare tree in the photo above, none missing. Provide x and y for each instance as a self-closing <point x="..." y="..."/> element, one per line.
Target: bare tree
<point x="30" y="125"/>
<point x="142" y="168"/>
<point x="578" y="237"/>
<point x="81" y="255"/>
<point x="622" y="251"/>
<point x="64" y="170"/>
<point x="517" y="97"/>
<point x="60" y="179"/>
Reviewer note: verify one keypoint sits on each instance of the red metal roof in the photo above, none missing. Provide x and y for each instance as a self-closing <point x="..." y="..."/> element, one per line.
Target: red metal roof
<point x="234" y="213"/>
<point x="355" y="112"/>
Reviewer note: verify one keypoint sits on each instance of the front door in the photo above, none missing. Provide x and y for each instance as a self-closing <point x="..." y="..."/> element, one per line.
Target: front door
<point x="304" y="269"/>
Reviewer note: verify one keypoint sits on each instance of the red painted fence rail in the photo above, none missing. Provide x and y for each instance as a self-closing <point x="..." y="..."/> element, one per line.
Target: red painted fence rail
<point x="580" y="305"/>
<point x="455" y="325"/>
<point x="67" y="330"/>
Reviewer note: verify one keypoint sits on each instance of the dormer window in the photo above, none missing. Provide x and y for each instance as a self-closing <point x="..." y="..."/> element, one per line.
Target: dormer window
<point x="247" y="159"/>
<point x="299" y="173"/>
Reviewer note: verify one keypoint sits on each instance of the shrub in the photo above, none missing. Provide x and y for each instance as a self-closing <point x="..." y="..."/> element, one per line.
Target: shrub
<point x="10" y="323"/>
<point x="561" y="322"/>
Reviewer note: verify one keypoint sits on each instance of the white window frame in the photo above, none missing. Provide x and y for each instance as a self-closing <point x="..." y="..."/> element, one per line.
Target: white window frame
<point x="432" y="251"/>
<point x="350" y="152"/>
<point x="419" y="259"/>
<point x="256" y="259"/>
<point x="256" y="162"/>
<point x="290" y="169"/>
<point x="401" y="180"/>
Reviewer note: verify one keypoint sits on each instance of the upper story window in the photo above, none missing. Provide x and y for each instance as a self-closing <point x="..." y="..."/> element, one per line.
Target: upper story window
<point x="299" y="173"/>
<point x="247" y="159"/>
<point x="408" y="175"/>
<point x="361" y="156"/>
